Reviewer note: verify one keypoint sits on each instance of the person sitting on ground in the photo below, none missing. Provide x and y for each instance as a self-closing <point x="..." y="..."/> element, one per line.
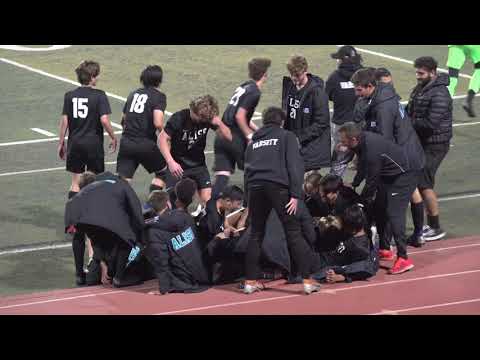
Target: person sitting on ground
<point x="353" y="259"/>
<point x="313" y="195"/>
<point x="329" y="233"/>
<point x="173" y="247"/>
<point x="337" y="195"/>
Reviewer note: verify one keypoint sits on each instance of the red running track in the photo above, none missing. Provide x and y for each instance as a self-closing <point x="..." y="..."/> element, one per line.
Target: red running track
<point x="445" y="280"/>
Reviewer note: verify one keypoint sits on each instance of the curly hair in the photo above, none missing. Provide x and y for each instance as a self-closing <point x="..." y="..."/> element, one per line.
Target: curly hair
<point x="205" y="107"/>
<point x="329" y="222"/>
<point x="86" y="71"/>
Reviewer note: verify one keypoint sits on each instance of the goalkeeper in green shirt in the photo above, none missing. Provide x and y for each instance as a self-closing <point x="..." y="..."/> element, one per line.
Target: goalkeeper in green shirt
<point x="457" y="55"/>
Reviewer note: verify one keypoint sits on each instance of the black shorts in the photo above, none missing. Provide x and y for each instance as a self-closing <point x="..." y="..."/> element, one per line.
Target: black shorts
<point x="200" y="175"/>
<point x="229" y="153"/>
<point x="87" y="155"/>
<point x="434" y="155"/>
<point x="134" y="152"/>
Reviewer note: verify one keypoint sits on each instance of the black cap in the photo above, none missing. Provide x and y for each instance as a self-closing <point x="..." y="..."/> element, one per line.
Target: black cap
<point x="344" y="52"/>
<point x="380" y="72"/>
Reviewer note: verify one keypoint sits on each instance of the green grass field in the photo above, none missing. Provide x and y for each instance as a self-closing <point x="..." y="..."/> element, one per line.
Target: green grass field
<point x="32" y="204"/>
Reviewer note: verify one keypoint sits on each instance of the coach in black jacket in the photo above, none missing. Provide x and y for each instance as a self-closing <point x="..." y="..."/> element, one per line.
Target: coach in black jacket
<point x="306" y="104"/>
<point x="274" y="179"/>
<point x="386" y="167"/>
<point x="430" y="107"/>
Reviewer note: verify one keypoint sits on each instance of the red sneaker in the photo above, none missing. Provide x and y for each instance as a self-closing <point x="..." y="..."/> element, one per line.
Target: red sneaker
<point x="386" y="255"/>
<point x="401" y="265"/>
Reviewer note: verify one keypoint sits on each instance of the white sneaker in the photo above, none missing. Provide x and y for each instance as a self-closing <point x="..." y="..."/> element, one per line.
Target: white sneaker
<point x="250" y="289"/>
<point x="311" y="288"/>
<point x="431" y="234"/>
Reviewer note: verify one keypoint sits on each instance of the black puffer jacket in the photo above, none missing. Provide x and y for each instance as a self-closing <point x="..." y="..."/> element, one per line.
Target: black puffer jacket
<point x="430" y="108"/>
<point x="312" y="125"/>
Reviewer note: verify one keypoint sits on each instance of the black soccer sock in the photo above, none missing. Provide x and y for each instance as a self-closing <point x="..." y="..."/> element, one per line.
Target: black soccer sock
<point x="417" y="216"/>
<point x="470" y="96"/>
<point x="154" y="187"/>
<point x="71" y="194"/>
<point x="221" y="182"/>
<point x="78" y="246"/>
<point x="434" y="222"/>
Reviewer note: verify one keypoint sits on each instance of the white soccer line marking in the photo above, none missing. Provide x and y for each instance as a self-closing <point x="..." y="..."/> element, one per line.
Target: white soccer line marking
<point x="401" y="60"/>
<point x="443" y="249"/>
<point x="26" y="48"/>
<point x="43" y="132"/>
<point x="319" y="293"/>
<point x="42" y="140"/>
<point x="394" y="312"/>
<point x="466" y="124"/>
<point x="71" y="298"/>
<point x="450" y="198"/>
<point x="32" y="249"/>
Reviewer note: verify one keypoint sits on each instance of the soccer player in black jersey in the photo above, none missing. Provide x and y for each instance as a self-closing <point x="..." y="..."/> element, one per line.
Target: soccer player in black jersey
<point x="85" y="115"/>
<point x="186" y="130"/>
<point x="237" y="117"/>
<point x="142" y="119"/>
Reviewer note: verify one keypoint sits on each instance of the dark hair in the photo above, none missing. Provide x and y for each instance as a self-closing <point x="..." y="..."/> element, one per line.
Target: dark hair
<point x="381" y="72"/>
<point x="314" y="179"/>
<point x="331" y="183"/>
<point x="257" y="67"/>
<point x="185" y="190"/>
<point x="206" y="107"/>
<point x="151" y="76"/>
<point x="86" y="71"/>
<point x="233" y="192"/>
<point x="86" y="178"/>
<point x="426" y="62"/>
<point x="274" y="115"/>
<point x="158" y="200"/>
<point x="354" y="219"/>
<point x="364" y="77"/>
<point x="351" y="129"/>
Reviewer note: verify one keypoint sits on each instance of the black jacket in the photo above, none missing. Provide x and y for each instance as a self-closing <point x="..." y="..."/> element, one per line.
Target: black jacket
<point x="430" y="108"/>
<point x="273" y="155"/>
<point x="341" y="92"/>
<point x="385" y="115"/>
<point x="346" y="197"/>
<point x="378" y="157"/>
<point x="355" y="258"/>
<point x="109" y="203"/>
<point x="174" y="250"/>
<point x="312" y="125"/>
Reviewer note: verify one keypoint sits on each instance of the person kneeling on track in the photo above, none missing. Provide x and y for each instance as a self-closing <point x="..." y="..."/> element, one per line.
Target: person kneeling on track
<point x="355" y="258"/>
<point x="173" y="247"/>
<point x="110" y="213"/>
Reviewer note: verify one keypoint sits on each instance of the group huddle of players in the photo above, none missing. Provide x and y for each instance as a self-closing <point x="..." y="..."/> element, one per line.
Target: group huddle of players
<point x="174" y="151"/>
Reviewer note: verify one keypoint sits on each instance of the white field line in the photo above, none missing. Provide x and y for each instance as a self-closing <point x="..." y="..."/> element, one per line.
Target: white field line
<point x="395" y="312"/>
<point x="43" y="132"/>
<point x="319" y="293"/>
<point x="401" y="60"/>
<point x="41" y="140"/>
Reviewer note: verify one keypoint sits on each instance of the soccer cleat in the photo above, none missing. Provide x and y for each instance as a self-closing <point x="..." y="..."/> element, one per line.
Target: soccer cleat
<point x="309" y="288"/>
<point x="251" y="288"/>
<point x="401" y="265"/>
<point x="386" y="255"/>
<point x="468" y="107"/>
<point x="431" y="234"/>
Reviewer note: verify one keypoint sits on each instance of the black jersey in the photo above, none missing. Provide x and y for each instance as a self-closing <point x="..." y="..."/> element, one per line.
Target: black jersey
<point x="245" y="96"/>
<point x="138" y="111"/>
<point x="84" y="107"/>
<point x="188" y="139"/>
